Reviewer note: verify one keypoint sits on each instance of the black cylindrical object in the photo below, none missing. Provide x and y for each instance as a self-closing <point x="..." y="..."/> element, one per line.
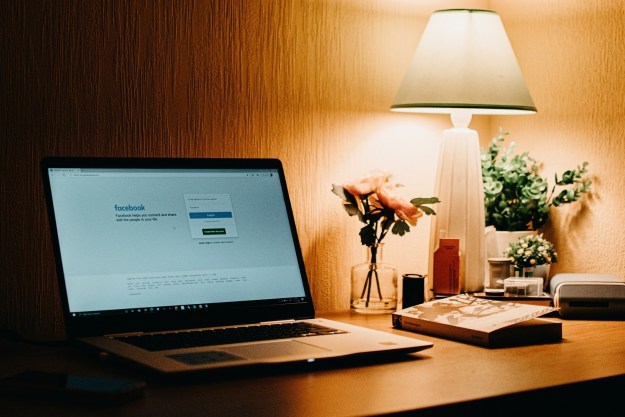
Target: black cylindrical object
<point x="413" y="289"/>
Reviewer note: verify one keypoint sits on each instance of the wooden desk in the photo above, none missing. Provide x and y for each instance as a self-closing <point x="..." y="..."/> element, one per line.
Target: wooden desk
<point x="450" y="376"/>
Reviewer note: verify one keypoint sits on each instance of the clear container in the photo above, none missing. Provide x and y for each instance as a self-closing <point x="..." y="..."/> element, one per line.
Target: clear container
<point x="374" y="284"/>
<point x="523" y="287"/>
<point x="500" y="269"/>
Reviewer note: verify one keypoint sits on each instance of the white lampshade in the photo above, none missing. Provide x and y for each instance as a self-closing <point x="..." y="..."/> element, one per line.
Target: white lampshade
<point x="463" y="65"/>
<point x="464" y="60"/>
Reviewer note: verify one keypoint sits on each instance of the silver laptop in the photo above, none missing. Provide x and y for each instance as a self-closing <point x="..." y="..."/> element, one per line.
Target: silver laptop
<point x="184" y="265"/>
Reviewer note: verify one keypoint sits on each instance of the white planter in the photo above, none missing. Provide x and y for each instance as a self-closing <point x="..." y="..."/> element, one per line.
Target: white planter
<point x="498" y="241"/>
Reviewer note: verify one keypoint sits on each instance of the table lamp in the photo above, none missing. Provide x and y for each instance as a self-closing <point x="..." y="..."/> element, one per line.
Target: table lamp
<point x="464" y="65"/>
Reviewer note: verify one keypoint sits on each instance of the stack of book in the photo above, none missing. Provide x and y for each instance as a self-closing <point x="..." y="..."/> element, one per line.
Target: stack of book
<point x="545" y="299"/>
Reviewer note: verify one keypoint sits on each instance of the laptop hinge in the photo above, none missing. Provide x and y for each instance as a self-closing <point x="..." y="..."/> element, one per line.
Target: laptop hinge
<point x="124" y="334"/>
<point x="277" y="321"/>
<point x="182" y="330"/>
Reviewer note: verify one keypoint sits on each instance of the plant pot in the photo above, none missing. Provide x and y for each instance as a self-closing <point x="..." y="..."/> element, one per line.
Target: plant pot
<point x="498" y="241"/>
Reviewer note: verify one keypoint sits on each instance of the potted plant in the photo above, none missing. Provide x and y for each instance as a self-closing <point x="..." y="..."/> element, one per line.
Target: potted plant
<point x="529" y="252"/>
<point x="516" y="196"/>
<point x="517" y="199"/>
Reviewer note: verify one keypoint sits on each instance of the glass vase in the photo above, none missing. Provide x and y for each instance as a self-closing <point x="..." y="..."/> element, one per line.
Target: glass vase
<point x="374" y="284"/>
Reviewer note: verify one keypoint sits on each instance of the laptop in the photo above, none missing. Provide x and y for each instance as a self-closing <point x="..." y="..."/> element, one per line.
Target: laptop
<point x="182" y="265"/>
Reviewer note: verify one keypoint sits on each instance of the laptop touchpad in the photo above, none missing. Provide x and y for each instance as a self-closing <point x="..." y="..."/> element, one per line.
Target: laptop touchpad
<point x="202" y="358"/>
<point x="274" y="349"/>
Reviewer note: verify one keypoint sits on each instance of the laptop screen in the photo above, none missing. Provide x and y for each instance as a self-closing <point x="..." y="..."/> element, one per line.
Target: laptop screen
<point x="173" y="238"/>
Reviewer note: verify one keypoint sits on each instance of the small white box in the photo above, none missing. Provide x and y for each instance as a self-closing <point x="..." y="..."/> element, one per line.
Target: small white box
<point x="523" y="287"/>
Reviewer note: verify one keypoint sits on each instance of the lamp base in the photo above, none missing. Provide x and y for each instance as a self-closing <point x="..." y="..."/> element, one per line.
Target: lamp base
<point x="460" y="214"/>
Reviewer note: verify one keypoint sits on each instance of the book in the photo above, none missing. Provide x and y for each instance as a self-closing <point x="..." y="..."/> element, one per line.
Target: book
<point x="480" y="321"/>
<point x="545" y="299"/>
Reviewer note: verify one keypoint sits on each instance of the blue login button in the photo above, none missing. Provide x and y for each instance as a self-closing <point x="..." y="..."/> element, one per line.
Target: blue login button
<point x="211" y="215"/>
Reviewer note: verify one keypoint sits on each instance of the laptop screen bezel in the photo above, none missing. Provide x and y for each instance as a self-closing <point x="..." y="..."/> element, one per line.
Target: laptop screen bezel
<point x="221" y="314"/>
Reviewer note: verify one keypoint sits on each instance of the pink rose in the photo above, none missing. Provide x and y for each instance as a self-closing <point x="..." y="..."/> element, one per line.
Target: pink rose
<point x="403" y="209"/>
<point x="368" y="184"/>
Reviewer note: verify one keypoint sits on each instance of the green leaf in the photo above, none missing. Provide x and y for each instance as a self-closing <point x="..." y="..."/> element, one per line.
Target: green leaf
<point x="421" y="202"/>
<point x="340" y="191"/>
<point x="560" y="199"/>
<point x="571" y="196"/>
<point x="350" y="204"/>
<point x="567" y="178"/>
<point x="351" y="209"/>
<point x="367" y="235"/>
<point x="345" y="195"/>
<point x="400" y="228"/>
<point x="427" y="210"/>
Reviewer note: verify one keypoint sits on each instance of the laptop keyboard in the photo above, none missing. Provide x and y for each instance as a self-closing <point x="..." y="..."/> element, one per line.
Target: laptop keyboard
<point x="222" y="336"/>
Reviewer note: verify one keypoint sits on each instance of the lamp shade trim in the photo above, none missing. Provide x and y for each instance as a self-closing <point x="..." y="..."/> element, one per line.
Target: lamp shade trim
<point x="491" y="109"/>
<point x="465" y="10"/>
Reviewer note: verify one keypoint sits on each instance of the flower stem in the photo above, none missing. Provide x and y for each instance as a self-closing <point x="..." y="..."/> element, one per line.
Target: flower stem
<point x="377" y="281"/>
<point x="373" y="271"/>
<point x="368" y="283"/>
<point x="364" y="288"/>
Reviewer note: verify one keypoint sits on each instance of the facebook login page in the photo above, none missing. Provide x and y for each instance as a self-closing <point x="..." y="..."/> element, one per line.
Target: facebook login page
<point x="150" y="238"/>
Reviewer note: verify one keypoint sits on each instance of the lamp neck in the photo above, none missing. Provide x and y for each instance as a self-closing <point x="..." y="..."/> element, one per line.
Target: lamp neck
<point x="460" y="118"/>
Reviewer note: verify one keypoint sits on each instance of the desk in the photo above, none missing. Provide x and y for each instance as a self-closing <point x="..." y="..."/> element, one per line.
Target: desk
<point x="451" y="376"/>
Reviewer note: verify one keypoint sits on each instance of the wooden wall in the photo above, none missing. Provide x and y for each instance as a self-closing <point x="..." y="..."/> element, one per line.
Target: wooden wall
<point x="306" y="81"/>
<point x="573" y="61"/>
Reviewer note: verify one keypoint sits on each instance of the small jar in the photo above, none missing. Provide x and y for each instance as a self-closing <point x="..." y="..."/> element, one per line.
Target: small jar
<point x="500" y="269"/>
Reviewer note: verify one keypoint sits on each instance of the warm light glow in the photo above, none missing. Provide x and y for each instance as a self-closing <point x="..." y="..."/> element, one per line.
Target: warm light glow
<point x="463" y="65"/>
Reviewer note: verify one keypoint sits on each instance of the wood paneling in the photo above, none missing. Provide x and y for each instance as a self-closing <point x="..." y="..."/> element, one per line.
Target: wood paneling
<point x="573" y="61"/>
<point x="306" y="81"/>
